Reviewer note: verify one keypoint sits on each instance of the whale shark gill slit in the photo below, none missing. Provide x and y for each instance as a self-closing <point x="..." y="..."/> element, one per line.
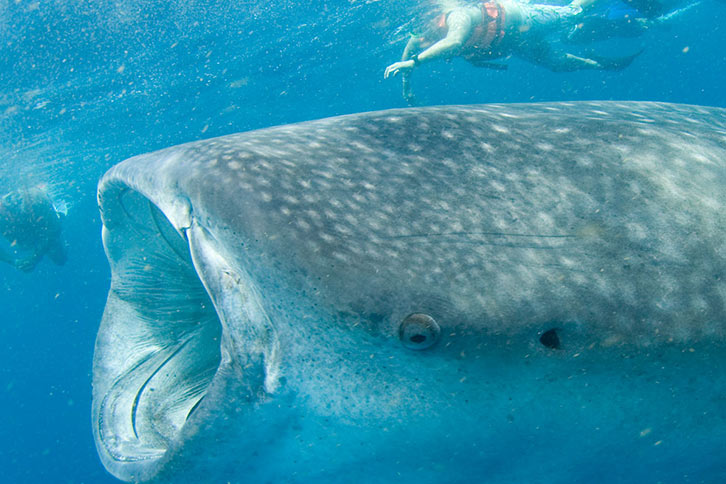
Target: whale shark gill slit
<point x="160" y="225"/>
<point x="135" y="404"/>
<point x="195" y="407"/>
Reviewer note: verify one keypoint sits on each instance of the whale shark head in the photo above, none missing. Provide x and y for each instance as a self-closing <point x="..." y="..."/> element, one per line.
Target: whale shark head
<point x="522" y="293"/>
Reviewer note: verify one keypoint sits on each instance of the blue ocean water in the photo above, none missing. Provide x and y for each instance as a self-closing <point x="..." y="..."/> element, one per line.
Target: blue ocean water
<point x="84" y="85"/>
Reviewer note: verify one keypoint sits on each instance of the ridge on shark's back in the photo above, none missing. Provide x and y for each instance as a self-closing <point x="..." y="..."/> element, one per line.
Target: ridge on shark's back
<point x="495" y="293"/>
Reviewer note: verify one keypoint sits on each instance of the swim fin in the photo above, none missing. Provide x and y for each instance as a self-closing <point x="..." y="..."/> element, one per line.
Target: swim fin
<point x="614" y="63"/>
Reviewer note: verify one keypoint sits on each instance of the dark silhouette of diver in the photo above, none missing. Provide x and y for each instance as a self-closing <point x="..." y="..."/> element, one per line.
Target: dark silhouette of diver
<point x="32" y="228"/>
<point x="486" y="30"/>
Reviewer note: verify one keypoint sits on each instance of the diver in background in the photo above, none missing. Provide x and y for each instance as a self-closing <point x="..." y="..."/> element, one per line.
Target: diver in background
<point x="483" y="31"/>
<point x="32" y="227"/>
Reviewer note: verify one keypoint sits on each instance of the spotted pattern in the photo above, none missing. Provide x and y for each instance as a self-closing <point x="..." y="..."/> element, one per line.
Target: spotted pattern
<point x="603" y="212"/>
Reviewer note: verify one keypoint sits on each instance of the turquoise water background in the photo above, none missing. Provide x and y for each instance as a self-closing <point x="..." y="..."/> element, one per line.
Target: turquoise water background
<point x="86" y="84"/>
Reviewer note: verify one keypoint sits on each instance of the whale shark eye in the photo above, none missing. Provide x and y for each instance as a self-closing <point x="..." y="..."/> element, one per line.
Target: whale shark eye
<point x="418" y="331"/>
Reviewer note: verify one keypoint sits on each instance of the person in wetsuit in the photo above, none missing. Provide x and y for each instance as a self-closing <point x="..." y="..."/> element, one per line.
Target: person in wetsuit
<point x="32" y="228"/>
<point x="484" y="31"/>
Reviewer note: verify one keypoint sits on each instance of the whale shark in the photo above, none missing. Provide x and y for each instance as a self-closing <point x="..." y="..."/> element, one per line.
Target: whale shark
<point x="487" y="293"/>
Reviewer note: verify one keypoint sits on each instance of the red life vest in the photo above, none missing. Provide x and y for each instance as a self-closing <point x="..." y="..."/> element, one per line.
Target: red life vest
<point x="486" y="36"/>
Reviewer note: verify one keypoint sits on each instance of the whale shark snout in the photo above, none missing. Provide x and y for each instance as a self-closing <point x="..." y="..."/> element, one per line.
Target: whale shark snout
<point x="522" y="293"/>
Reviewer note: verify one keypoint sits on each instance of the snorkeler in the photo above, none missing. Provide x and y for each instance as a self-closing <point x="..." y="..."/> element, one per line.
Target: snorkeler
<point x="484" y="31"/>
<point x="32" y="227"/>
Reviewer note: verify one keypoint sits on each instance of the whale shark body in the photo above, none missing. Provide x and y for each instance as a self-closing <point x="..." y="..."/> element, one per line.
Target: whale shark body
<point x="497" y="293"/>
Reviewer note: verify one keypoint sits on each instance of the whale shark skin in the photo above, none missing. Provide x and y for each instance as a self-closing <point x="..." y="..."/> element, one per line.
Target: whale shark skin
<point x="494" y="293"/>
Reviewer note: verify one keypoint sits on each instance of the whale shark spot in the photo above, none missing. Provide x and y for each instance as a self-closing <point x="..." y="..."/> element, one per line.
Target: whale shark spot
<point x="278" y="299"/>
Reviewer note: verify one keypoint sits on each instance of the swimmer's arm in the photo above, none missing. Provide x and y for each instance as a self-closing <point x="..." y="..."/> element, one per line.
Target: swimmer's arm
<point x="27" y="264"/>
<point x="459" y="28"/>
<point x="413" y="44"/>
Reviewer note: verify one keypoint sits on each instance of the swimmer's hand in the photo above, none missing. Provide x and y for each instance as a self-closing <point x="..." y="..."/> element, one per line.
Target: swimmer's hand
<point x="399" y="67"/>
<point x="26" y="264"/>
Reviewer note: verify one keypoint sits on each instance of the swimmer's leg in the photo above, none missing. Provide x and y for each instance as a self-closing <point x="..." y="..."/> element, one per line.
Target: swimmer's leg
<point x="598" y="28"/>
<point x="541" y="53"/>
<point x="539" y="20"/>
<point x="674" y="14"/>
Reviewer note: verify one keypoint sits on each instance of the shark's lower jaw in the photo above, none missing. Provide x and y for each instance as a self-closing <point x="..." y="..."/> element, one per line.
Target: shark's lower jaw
<point x="163" y="336"/>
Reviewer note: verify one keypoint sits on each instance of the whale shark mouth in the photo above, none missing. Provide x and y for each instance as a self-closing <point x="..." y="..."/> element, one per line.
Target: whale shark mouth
<point x="159" y="345"/>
